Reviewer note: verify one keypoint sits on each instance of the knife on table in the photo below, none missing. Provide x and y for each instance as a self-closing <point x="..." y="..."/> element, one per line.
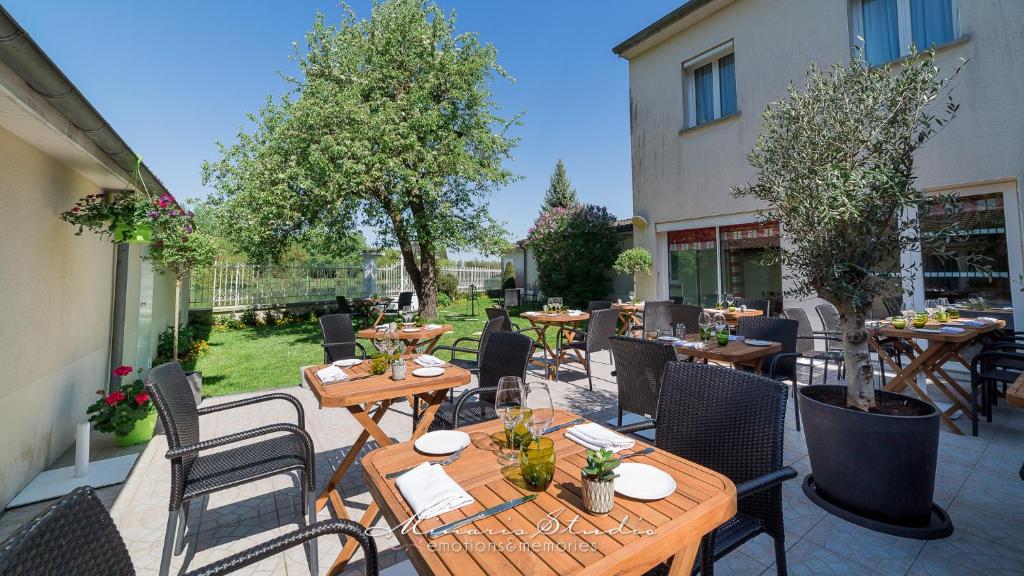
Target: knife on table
<point x="447" y="528"/>
<point x="566" y="425"/>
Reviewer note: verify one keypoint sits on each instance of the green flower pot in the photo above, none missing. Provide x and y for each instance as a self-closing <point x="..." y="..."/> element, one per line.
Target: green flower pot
<point x="142" y="432"/>
<point x="138" y="234"/>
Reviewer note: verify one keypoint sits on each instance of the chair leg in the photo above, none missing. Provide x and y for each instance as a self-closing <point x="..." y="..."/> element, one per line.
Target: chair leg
<point x="707" y="555"/>
<point x="311" y="549"/>
<point x="780" y="556"/>
<point x="974" y="408"/>
<point x="179" y="534"/>
<point x="165" y="556"/>
<point x="796" y="405"/>
<point x="590" y="378"/>
<point x="620" y="416"/>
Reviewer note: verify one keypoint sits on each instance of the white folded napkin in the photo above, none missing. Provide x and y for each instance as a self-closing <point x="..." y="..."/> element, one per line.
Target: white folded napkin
<point x="575" y="312"/>
<point x="331" y="374"/>
<point x="974" y="323"/>
<point x="431" y="326"/>
<point x="529" y="313"/>
<point x="952" y="330"/>
<point x="430" y="491"/>
<point x="594" y="436"/>
<point x="428" y="361"/>
<point x="986" y="319"/>
<point x="688" y="344"/>
<point x="734" y="338"/>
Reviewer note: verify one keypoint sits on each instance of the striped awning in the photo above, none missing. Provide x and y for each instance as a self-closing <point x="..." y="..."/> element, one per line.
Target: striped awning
<point x="694" y="239"/>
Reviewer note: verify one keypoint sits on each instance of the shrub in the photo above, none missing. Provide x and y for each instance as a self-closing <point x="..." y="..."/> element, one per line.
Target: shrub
<point x="190" y="346"/>
<point x="250" y="317"/>
<point x="271" y="318"/>
<point x="443" y="300"/>
<point x="447" y="284"/>
<point x="574" y="247"/>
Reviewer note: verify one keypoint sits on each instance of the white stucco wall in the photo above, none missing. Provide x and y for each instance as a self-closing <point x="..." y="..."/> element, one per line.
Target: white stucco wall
<point x="681" y="179"/>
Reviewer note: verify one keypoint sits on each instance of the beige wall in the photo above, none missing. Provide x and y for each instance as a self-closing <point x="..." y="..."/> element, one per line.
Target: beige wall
<point x="57" y="291"/>
<point x="682" y="179"/>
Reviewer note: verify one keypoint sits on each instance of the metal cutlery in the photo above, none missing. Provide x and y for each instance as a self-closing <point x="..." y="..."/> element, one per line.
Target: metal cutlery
<point x="442" y="530"/>
<point x="566" y="425"/>
<point x="446" y="461"/>
<point x="643" y="452"/>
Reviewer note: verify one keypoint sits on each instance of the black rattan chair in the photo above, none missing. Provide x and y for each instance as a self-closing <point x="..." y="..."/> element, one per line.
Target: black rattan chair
<point x="687" y="315"/>
<point x="806" y="336"/>
<point x="658" y="315"/>
<point x="781" y="365"/>
<point x="595" y="305"/>
<point x="639" y="366"/>
<point x="829" y="317"/>
<point x="77" y="536"/>
<point x="507" y="325"/>
<point x="1000" y="363"/>
<point x="193" y="473"/>
<point x="345" y="308"/>
<point x="732" y="422"/>
<point x="755" y="304"/>
<point x="474" y="348"/>
<point x="506" y="354"/>
<point x="339" y="338"/>
<point x="600" y="327"/>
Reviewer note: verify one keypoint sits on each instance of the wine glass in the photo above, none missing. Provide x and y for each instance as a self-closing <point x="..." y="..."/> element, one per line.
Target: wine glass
<point x="407" y="314"/>
<point x="508" y="403"/>
<point x="943" y="304"/>
<point x="385" y="343"/>
<point x="729" y="300"/>
<point x="704" y="323"/>
<point x="540" y="410"/>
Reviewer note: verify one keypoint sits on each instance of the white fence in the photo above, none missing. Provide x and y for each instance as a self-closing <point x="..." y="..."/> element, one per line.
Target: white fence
<point x="228" y="287"/>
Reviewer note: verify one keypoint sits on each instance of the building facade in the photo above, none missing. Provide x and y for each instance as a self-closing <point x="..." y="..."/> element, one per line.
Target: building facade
<point x="73" y="306"/>
<point x="700" y="78"/>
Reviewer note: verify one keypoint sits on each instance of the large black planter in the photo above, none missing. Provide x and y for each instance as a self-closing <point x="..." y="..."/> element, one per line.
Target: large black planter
<point x="874" y="470"/>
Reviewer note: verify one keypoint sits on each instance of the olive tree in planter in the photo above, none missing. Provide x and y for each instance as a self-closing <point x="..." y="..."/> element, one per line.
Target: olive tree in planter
<point x="835" y="165"/>
<point x="634" y="261"/>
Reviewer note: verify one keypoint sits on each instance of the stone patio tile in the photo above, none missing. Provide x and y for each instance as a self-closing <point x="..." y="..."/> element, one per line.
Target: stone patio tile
<point x="806" y="558"/>
<point x="884" y="553"/>
<point x="966" y="554"/>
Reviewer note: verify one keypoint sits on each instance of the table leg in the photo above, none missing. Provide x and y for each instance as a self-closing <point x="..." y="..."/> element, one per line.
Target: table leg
<point x="924" y="362"/>
<point x="330" y="490"/>
<point x="624" y="318"/>
<point x="682" y="562"/>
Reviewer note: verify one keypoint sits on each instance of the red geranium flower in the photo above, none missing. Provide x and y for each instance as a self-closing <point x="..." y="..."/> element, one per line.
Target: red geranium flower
<point x="141" y="398"/>
<point x="115" y="398"/>
<point x="122" y="370"/>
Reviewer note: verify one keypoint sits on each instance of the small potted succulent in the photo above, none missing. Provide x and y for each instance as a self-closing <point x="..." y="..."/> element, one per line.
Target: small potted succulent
<point x="599" y="481"/>
<point x="127" y="412"/>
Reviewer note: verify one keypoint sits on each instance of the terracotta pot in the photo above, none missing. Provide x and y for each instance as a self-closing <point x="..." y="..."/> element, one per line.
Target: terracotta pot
<point x="598" y="497"/>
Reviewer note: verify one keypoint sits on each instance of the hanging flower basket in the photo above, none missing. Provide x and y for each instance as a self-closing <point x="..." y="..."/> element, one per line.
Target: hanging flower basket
<point x="133" y="234"/>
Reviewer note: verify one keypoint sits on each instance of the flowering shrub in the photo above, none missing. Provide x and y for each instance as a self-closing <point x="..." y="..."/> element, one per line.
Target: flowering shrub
<point x="118" y="411"/>
<point x="102" y="214"/>
<point x="574" y="247"/>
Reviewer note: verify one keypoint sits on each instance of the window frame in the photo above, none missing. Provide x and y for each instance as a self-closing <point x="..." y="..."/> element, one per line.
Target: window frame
<point x="903" y="25"/>
<point x="712" y="57"/>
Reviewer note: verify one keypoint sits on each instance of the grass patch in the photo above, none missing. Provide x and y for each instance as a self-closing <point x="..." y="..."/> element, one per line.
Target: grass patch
<point x="266" y="357"/>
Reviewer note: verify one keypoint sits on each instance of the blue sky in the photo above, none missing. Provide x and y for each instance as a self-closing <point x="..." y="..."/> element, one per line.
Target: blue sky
<point x="173" y="78"/>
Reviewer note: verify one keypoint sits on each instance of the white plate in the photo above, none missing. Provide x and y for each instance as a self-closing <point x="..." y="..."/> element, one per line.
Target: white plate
<point x="427" y="372"/>
<point x="410" y="329"/>
<point x="348" y="362"/>
<point x="759" y="342"/>
<point x="668" y="338"/>
<point x="642" y="482"/>
<point x="442" y="442"/>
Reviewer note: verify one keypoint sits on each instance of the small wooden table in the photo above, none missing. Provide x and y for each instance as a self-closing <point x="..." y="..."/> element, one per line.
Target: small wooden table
<point x="543" y="321"/>
<point x="733" y="317"/>
<point x="367" y="398"/>
<point x="629" y="314"/>
<point x="633" y="538"/>
<point x="421" y="340"/>
<point x="942" y="347"/>
<point x="736" y="352"/>
<point x="1015" y="393"/>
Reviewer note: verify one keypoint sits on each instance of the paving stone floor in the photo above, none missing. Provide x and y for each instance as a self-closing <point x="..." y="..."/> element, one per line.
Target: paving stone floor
<point x="977" y="482"/>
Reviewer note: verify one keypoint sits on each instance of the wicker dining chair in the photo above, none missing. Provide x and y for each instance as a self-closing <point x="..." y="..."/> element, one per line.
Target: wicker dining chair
<point x="780" y="365"/>
<point x="829" y="317"/>
<point x="472" y="346"/>
<point x="507" y="354"/>
<point x="756" y="304"/>
<point x="357" y="316"/>
<point x="600" y="327"/>
<point x="507" y="325"/>
<point x="339" y="338"/>
<point x="806" y="336"/>
<point x="658" y="315"/>
<point x="688" y="315"/>
<point x="732" y="422"/>
<point x="194" y="473"/>
<point x="639" y="366"/>
<point x="77" y="536"/>
<point x="595" y="305"/>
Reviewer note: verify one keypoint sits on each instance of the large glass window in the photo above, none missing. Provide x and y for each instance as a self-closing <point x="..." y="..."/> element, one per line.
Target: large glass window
<point x="984" y="221"/>
<point x="727" y="84"/>
<point x="747" y="251"/>
<point x="710" y="81"/>
<point x="886" y="29"/>
<point x="693" y="266"/>
<point x="704" y="94"/>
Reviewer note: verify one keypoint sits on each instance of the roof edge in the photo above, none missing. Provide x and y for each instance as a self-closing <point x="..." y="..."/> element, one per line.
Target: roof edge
<point x="660" y="24"/>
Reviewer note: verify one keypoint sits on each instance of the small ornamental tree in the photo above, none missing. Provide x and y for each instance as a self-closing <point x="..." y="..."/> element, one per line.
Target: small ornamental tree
<point x="634" y="261"/>
<point x="835" y="166"/>
<point x="178" y="249"/>
<point x="574" y="247"/>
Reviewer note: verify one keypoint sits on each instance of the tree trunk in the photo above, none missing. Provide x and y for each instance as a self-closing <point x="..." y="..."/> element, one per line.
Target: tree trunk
<point x="426" y="291"/>
<point x="860" y="392"/>
<point x="177" y="313"/>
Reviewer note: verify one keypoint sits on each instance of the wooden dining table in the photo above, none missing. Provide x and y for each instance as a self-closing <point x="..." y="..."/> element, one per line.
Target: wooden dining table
<point x="416" y="339"/>
<point x="732" y="317"/>
<point x="367" y="398"/>
<point x="736" y="352"/>
<point x="553" y="534"/>
<point x="941" y="347"/>
<point x="629" y="315"/>
<point x="568" y="323"/>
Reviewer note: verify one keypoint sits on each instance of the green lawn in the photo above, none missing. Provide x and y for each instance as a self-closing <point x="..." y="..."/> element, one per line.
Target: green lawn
<point x="264" y="357"/>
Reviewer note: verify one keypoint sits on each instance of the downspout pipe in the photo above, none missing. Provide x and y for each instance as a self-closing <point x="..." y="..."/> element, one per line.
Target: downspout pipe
<point x="22" y="55"/>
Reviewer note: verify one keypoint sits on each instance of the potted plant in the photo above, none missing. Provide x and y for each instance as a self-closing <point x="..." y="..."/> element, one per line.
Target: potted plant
<point x="124" y="216"/>
<point x="127" y="412"/>
<point x="598" y="479"/>
<point x="835" y="166"/>
<point x="634" y="261"/>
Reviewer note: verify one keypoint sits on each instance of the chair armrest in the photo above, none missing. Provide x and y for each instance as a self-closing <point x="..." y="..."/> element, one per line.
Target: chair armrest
<point x="638" y="427"/>
<point x="534" y="329"/>
<point x="307" y="441"/>
<point x="780" y="356"/>
<point x="273" y="547"/>
<point x="453" y="349"/>
<point x="465" y="339"/>
<point x="516" y="327"/>
<point x="357" y="345"/>
<point x="256" y="400"/>
<point x="755" y="485"/>
<point x="466" y="396"/>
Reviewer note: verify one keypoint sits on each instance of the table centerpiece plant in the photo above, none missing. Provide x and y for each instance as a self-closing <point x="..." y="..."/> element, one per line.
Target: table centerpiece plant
<point x="598" y="478"/>
<point x="127" y="412"/>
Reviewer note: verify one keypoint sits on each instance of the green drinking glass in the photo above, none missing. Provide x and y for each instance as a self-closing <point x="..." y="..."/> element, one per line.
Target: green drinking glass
<point x="722" y="337"/>
<point x="537" y="463"/>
